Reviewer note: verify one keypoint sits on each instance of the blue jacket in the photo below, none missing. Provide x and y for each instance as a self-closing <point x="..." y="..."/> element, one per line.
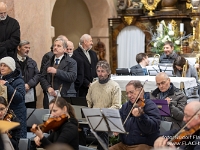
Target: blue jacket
<point x="143" y="129"/>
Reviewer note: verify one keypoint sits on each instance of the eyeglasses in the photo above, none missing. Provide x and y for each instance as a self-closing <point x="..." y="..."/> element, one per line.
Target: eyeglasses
<point x="2" y="109"/>
<point x="69" y="49"/>
<point x="162" y="83"/>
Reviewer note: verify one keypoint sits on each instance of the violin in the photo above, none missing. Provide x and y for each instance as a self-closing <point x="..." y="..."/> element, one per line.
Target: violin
<point x="51" y="124"/>
<point x="184" y="134"/>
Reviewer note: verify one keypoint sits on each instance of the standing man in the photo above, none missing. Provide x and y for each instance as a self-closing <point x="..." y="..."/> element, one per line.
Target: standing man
<point x="80" y="67"/>
<point x="89" y="58"/>
<point x="174" y="97"/>
<point x="104" y="93"/>
<point x="140" y="68"/>
<point x="9" y="33"/>
<point x="29" y="70"/>
<point x="142" y="124"/>
<point x="60" y="70"/>
<point x="169" y="55"/>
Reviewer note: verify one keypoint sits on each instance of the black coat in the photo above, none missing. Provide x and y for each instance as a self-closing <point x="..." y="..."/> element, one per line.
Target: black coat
<point x="80" y="72"/>
<point x="67" y="133"/>
<point x="9" y="37"/>
<point x="66" y="75"/>
<point x="88" y="69"/>
<point x="31" y="74"/>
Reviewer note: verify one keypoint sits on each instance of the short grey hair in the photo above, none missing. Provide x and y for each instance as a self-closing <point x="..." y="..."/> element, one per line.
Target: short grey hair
<point x="23" y="42"/>
<point x="104" y="65"/>
<point x="84" y="37"/>
<point x="64" y="44"/>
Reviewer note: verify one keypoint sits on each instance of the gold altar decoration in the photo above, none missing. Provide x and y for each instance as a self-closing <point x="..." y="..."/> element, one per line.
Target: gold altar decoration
<point x="188" y="4"/>
<point x="150" y="5"/>
<point x="129" y="19"/>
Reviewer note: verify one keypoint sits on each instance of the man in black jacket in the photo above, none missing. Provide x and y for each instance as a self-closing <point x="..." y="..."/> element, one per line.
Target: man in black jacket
<point x="29" y="70"/>
<point x="80" y="66"/>
<point x="89" y="58"/>
<point x="140" y="68"/>
<point x="9" y="33"/>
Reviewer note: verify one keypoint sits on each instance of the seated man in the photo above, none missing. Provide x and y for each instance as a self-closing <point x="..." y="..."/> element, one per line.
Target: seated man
<point x="140" y="68"/>
<point x="192" y="118"/>
<point x="175" y="98"/>
<point x="143" y="123"/>
<point x="169" y="55"/>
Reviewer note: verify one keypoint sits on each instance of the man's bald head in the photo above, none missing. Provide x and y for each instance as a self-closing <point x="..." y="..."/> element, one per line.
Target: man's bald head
<point x="163" y="81"/>
<point x="3" y="6"/>
<point x="162" y="75"/>
<point x="193" y="107"/>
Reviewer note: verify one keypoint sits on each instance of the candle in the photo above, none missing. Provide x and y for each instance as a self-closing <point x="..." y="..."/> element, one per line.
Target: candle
<point x="170" y="26"/>
<point x="181" y="27"/>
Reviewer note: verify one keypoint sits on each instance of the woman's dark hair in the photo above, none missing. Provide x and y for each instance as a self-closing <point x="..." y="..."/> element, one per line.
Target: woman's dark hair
<point x="3" y="101"/>
<point x="179" y="61"/>
<point x="61" y="103"/>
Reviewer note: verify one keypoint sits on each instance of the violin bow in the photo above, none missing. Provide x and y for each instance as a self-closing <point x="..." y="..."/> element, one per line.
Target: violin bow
<point x="135" y="102"/>
<point x="56" y="99"/>
<point x="10" y="101"/>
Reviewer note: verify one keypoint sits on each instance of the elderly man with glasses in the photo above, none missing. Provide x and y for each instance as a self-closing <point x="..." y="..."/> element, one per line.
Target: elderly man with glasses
<point x="9" y="33"/>
<point x="174" y="97"/>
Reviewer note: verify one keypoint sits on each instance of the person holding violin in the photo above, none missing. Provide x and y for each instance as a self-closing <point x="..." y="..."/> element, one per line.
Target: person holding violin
<point x="188" y="138"/>
<point x="63" y="131"/>
<point x="141" y="120"/>
<point x="13" y="134"/>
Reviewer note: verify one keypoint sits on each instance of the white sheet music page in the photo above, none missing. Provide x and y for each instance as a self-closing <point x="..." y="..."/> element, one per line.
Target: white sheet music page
<point x="29" y="97"/>
<point x="97" y="122"/>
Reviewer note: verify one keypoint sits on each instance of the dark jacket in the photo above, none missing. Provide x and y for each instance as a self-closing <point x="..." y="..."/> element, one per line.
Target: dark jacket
<point x="67" y="133"/>
<point x="137" y="70"/>
<point x="31" y="74"/>
<point x="192" y="144"/>
<point x="45" y="59"/>
<point x="66" y="75"/>
<point x="15" y="81"/>
<point x="176" y="106"/>
<point x="9" y="37"/>
<point x="80" y="73"/>
<point x="88" y="69"/>
<point x="168" y="58"/>
<point x="143" y="129"/>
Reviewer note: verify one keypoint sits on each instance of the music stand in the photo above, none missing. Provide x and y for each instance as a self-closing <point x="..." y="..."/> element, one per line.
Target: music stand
<point x="105" y="119"/>
<point x="163" y="107"/>
<point x="167" y="68"/>
<point x="153" y="70"/>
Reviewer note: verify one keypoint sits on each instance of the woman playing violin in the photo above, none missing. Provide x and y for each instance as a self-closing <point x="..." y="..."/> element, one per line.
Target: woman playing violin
<point x="14" y="134"/>
<point x="190" y="135"/>
<point x="67" y="133"/>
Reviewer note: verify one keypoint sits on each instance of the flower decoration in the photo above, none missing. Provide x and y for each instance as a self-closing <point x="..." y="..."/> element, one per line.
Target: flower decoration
<point x="166" y="33"/>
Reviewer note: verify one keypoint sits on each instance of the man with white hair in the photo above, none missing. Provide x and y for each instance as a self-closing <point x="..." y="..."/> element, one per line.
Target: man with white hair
<point x="9" y="33"/>
<point x="89" y="58"/>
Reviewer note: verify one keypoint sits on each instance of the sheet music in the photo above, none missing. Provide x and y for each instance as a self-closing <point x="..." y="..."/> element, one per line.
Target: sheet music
<point x="29" y="97"/>
<point x="153" y="70"/>
<point x="96" y="121"/>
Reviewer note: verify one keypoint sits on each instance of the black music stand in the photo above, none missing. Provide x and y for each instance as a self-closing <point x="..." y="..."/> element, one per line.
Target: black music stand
<point x="105" y="119"/>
